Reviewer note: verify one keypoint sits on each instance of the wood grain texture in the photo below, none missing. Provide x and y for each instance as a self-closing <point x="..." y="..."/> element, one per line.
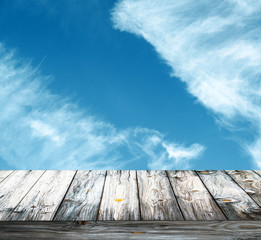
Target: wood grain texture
<point x="144" y="230"/>
<point x="233" y="200"/>
<point x="194" y="200"/>
<point x="83" y="198"/>
<point x="14" y="188"/>
<point x="129" y="195"/>
<point x="249" y="181"/>
<point x="258" y="172"/>
<point x="4" y="174"/>
<point x="157" y="199"/>
<point x="120" y="197"/>
<point x="44" y="198"/>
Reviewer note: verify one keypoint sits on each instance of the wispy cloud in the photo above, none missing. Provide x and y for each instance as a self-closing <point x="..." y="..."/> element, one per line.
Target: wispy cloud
<point x="213" y="46"/>
<point x="40" y="130"/>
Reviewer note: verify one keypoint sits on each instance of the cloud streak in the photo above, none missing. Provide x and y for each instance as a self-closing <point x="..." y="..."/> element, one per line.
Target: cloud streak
<point x="212" y="46"/>
<point x="40" y="130"/>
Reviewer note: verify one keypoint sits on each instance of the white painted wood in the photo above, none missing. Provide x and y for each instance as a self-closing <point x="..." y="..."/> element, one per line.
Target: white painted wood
<point x="120" y="197"/>
<point x="249" y="181"/>
<point x="258" y="172"/>
<point x="82" y="200"/>
<point x="233" y="200"/>
<point x="157" y="199"/>
<point x="194" y="200"/>
<point x="37" y="195"/>
<point x="44" y="198"/>
<point x="14" y="188"/>
<point x="4" y="174"/>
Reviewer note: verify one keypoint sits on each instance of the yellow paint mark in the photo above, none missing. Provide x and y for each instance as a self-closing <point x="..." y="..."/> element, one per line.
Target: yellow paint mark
<point x="89" y="190"/>
<point x="161" y="200"/>
<point x="195" y="190"/>
<point x="248" y="180"/>
<point x="149" y="176"/>
<point x="100" y="211"/>
<point x="118" y="199"/>
<point x="138" y="232"/>
<point x="204" y="172"/>
<point x="226" y="200"/>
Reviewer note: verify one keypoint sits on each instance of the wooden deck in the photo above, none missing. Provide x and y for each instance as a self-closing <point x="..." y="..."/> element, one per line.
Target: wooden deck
<point x="124" y="204"/>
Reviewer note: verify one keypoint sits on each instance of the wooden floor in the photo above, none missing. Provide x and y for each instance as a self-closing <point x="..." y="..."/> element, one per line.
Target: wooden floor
<point x="140" y="199"/>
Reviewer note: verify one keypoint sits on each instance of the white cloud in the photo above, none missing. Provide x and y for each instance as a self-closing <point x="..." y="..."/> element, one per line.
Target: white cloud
<point x="182" y="155"/>
<point x="213" y="46"/>
<point x="40" y="130"/>
<point x="174" y="155"/>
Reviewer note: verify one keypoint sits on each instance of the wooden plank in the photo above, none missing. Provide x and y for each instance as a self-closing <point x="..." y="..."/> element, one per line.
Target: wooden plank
<point x="142" y="230"/>
<point x="82" y="200"/>
<point x="233" y="200"/>
<point x="120" y="197"/>
<point x="194" y="200"/>
<point x="44" y="198"/>
<point x="258" y="172"/>
<point x="249" y="181"/>
<point x="14" y="188"/>
<point x="157" y="199"/>
<point x="4" y="174"/>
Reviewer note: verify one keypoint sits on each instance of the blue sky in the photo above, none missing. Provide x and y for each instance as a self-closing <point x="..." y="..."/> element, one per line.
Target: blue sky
<point x="130" y="84"/>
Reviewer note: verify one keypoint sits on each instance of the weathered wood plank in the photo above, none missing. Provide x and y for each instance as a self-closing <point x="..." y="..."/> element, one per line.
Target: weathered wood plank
<point x="120" y="197"/>
<point x="233" y="200"/>
<point x="83" y="198"/>
<point x="249" y="181"/>
<point x="4" y="174"/>
<point x="144" y="230"/>
<point x="258" y="172"/>
<point x="14" y="188"/>
<point x="194" y="200"/>
<point x="44" y="198"/>
<point x="157" y="199"/>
